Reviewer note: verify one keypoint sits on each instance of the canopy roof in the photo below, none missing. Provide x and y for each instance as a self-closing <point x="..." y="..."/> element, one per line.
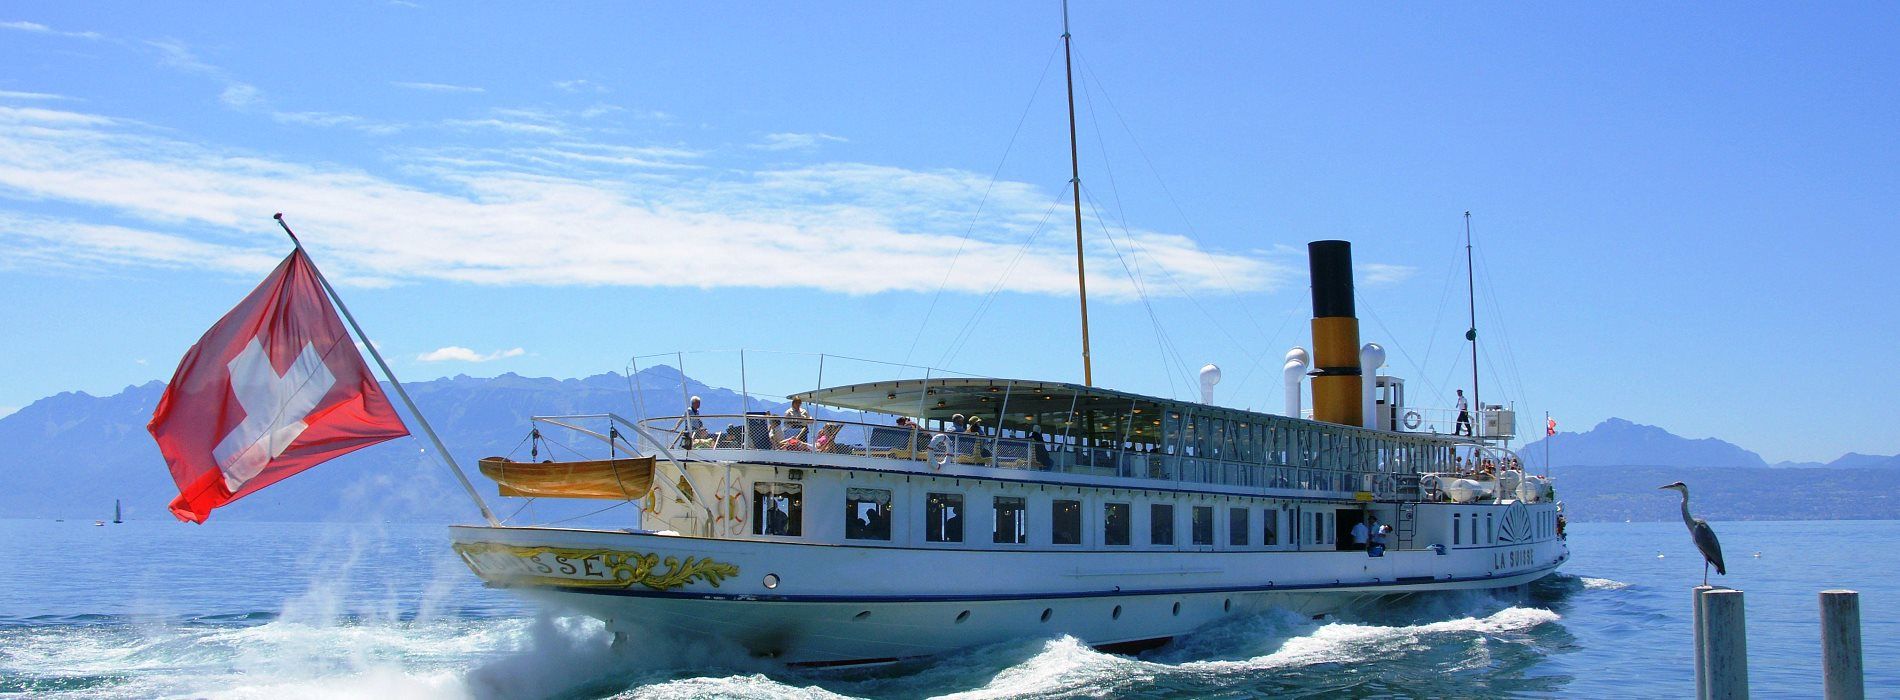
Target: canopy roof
<point x="1054" y="407"/>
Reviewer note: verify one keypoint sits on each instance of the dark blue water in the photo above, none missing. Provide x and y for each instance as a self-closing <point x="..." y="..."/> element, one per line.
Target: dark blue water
<point x="160" y="609"/>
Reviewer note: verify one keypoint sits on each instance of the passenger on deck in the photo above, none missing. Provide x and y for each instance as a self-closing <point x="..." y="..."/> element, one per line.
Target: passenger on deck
<point x="1359" y="534"/>
<point x="797" y="423"/>
<point x="1463" y="426"/>
<point x="691" y="427"/>
<point x="1041" y="451"/>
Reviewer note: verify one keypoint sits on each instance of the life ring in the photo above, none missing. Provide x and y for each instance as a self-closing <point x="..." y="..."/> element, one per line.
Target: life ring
<point x="939" y="450"/>
<point x="1413" y="420"/>
<point x="735" y="510"/>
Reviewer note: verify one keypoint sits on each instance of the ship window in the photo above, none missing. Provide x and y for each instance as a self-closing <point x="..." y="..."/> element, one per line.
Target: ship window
<point x="1237" y="527"/>
<point x="1270" y="523"/>
<point x="1331" y="536"/>
<point x="1065" y="522"/>
<point x="1490" y="532"/>
<point x="867" y="514"/>
<point x="778" y="509"/>
<point x="1474" y="528"/>
<point x="1203" y="524"/>
<point x="1161" y="523"/>
<point x="1457" y="529"/>
<point x="1319" y="526"/>
<point x="943" y="517"/>
<point x="1114" y="523"/>
<point x="1010" y="525"/>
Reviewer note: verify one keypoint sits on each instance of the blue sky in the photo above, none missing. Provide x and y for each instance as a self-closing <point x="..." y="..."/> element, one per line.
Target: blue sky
<point x="1685" y="214"/>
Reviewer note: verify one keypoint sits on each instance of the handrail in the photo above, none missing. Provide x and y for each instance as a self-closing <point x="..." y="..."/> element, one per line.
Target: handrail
<point x="989" y="449"/>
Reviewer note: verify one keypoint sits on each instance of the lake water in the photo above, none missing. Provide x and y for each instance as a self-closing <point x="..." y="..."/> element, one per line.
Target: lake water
<point x="268" y="610"/>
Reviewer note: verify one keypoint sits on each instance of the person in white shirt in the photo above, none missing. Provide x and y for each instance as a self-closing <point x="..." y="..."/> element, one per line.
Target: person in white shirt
<point x="1359" y="532"/>
<point x="797" y="422"/>
<point x="1463" y="427"/>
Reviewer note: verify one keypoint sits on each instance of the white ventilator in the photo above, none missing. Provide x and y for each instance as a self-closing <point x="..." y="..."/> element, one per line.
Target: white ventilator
<point x="1371" y="358"/>
<point x="1295" y="372"/>
<point x="1210" y="375"/>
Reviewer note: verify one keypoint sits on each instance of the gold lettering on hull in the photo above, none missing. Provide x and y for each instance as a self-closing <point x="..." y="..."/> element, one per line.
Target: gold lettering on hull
<point x="603" y="568"/>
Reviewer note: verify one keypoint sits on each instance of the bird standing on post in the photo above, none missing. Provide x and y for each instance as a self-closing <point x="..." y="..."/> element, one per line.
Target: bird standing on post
<point x="1703" y="534"/>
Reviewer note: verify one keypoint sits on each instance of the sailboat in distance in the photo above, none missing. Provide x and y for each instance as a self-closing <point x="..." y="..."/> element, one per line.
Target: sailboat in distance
<point x="118" y="514"/>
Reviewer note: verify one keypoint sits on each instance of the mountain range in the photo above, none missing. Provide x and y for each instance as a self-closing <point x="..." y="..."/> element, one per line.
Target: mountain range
<point x="72" y="454"/>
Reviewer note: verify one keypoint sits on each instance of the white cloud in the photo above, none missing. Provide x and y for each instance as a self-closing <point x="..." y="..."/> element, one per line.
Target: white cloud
<point x="1381" y="274"/>
<point x="565" y="212"/>
<point x="437" y="87"/>
<point x="240" y="95"/>
<point x="38" y="28"/>
<point x="14" y="95"/>
<point x="511" y="126"/>
<point x="456" y="353"/>
<point x="792" y="142"/>
<point x="580" y="85"/>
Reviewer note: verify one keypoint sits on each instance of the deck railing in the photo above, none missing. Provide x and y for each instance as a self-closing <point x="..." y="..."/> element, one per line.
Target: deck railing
<point x="697" y="435"/>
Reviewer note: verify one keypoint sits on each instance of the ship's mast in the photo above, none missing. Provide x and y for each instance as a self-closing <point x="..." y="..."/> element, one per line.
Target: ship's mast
<point x="1471" y="304"/>
<point x="1075" y="183"/>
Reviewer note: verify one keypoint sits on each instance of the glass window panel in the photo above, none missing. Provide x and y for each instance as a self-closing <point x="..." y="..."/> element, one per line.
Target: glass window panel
<point x="1203" y="524"/>
<point x="1237" y="527"/>
<point x="1115" y="523"/>
<point x="778" y="509"/>
<point x="1011" y="525"/>
<point x="1161" y="523"/>
<point x="943" y="517"/>
<point x="1065" y="522"/>
<point x="867" y="514"/>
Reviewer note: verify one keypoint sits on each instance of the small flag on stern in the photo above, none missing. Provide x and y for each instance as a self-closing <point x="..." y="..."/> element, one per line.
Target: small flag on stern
<point x="1550" y="426"/>
<point x="274" y="388"/>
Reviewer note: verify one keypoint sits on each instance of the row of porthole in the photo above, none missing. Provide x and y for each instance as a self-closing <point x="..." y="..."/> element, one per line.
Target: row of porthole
<point x="1227" y="605"/>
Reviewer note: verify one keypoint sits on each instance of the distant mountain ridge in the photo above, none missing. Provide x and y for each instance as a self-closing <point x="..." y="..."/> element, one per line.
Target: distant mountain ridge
<point x="1618" y="442"/>
<point x="69" y="455"/>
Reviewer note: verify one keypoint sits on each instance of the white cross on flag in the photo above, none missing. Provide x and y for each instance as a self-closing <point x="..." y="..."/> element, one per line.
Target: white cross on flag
<point x="274" y="388"/>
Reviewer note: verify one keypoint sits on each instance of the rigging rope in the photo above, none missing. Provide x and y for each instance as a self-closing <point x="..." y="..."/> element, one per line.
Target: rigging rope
<point x="924" y="326"/>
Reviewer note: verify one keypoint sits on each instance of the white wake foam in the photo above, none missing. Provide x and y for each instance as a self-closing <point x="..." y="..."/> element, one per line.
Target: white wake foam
<point x="1602" y="584"/>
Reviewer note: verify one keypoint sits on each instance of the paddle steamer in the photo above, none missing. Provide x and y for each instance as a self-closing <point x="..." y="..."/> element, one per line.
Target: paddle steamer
<point x="1114" y="517"/>
<point x="883" y="526"/>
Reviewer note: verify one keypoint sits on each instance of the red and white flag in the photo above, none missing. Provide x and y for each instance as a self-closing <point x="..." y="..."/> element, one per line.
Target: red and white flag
<point x="274" y="388"/>
<point x="1550" y="426"/>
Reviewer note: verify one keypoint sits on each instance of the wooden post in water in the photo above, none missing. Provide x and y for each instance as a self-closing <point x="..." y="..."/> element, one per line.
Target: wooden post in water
<point x="1840" y="646"/>
<point x="1701" y="668"/>
<point x="1724" y="645"/>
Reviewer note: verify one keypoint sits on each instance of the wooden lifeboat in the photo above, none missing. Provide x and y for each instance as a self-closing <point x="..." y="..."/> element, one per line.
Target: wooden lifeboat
<point x="625" y="479"/>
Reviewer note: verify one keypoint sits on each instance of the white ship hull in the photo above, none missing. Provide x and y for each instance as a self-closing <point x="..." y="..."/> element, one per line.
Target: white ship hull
<point x="841" y="604"/>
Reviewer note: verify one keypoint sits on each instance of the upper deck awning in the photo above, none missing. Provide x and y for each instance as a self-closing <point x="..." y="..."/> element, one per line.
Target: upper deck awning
<point x="1053" y="407"/>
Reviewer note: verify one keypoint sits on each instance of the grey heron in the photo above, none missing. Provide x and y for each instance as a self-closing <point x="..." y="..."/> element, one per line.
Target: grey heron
<point x="1703" y="534"/>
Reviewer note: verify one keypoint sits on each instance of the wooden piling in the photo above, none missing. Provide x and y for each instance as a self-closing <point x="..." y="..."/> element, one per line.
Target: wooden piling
<point x="1841" y="677"/>
<point x="1725" y="645"/>
<point x="1701" y="668"/>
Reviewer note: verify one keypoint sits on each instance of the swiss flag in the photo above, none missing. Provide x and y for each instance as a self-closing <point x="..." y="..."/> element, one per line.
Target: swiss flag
<point x="1550" y="426"/>
<point x="274" y="388"/>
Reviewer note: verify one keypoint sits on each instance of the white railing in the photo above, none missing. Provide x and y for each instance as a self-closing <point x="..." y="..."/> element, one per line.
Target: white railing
<point x="704" y="436"/>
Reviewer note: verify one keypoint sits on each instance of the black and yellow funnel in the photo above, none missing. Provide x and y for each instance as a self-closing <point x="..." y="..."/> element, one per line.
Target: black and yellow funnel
<point x="1336" y="384"/>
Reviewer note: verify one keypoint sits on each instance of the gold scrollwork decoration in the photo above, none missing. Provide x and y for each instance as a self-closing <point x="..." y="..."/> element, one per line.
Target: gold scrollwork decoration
<point x="571" y="567"/>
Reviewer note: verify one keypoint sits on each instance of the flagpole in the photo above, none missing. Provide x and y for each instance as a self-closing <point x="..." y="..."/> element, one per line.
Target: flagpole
<point x="1550" y="433"/>
<point x="440" y="449"/>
